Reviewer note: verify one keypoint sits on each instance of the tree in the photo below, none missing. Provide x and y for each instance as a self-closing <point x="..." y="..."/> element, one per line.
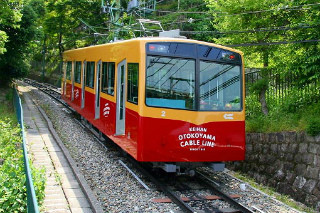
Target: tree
<point x="189" y="16"/>
<point x="64" y="28"/>
<point x="302" y="58"/>
<point x="10" y="17"/>
<point x="255" y="24"/>
<point x="14" y="62"/>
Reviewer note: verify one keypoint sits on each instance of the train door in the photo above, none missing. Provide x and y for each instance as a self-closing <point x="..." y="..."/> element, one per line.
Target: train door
<point x="64" y="78"/>
<point x="98" y="83"/>
<point x="83" y="82"/>
<point x="72" y="80"/>
<point x="121" y="89"/>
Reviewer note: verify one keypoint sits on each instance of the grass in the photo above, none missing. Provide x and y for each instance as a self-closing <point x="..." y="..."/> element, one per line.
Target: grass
<point x="287" y="116"/>
<point x="6" y="107"/>
<point x="272" y="192"/>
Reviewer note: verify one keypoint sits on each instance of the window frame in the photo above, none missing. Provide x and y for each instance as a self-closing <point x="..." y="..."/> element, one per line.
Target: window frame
<point x="87" y="82"/>
<point x="197" y="59"/>
<point x="128" y="86"/>
<point x="69" y="71"/>
<point x="195" y="79"/>
<point x="75" y="72"/>
<point x="105" y="79"/>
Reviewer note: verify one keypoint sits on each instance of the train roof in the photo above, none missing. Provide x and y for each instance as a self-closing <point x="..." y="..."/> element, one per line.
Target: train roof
<point x="155" y="39"/>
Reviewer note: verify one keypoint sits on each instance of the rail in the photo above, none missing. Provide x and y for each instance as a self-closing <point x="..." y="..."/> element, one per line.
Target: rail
<point x="32" y="204"/>
<point x="47" y="89"/>
<point x="172" y="195"/>
<point x="212" y="186"/>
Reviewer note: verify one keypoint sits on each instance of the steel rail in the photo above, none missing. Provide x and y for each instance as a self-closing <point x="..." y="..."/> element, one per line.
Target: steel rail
<point x="91" y="198"/>
<point x="44" y="89"/>
<point x="212" y="186"/>
<point x="173" y="196"/>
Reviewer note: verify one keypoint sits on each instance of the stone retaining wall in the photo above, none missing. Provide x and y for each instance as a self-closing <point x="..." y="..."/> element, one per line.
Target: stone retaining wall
<point x="286" y="161"/>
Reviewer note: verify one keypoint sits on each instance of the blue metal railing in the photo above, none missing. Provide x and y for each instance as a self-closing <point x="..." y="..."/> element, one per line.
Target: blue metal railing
<point x="32" y="204"/>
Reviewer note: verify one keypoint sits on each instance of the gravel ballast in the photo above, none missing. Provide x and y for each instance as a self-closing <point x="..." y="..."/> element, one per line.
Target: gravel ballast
<point x="114" y="186"/>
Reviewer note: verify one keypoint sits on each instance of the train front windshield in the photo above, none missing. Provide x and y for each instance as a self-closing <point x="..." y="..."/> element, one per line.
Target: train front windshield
<point x="193" y="77"/>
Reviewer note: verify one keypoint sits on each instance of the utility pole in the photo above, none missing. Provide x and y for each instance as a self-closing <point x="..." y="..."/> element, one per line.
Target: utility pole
<point x="117" y="19"/>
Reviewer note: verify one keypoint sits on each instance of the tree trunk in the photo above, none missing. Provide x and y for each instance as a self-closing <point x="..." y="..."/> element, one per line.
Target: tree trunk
<point x="262" y="93"/>
<point x="263" y="102"/>
<point x="61" y="49"/>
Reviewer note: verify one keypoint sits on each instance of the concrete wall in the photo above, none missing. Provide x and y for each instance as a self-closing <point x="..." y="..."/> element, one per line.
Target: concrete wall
<point x="286" y="161"/>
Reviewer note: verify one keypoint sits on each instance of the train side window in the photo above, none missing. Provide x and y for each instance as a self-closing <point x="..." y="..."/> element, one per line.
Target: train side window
<point x="90" y="74"/>
<point x="133" y="77"/>
<point x="69" y="68"/>
<point x="77" y="73"/>
<point x="108" y="72"/>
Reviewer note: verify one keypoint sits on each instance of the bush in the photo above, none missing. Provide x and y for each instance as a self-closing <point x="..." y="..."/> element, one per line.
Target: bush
<point x="13" y="192"/>
<point x="12" y="178"/>
<point x="313" y="126"/>
<point x="253" y="107"/>
<point x="256" y="124"/>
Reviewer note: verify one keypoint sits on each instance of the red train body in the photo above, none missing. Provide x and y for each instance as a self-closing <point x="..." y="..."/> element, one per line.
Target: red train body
<point x="161" y="99"/>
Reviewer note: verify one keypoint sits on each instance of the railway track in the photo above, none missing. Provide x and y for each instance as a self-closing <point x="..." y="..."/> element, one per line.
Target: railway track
<point x="172" y="194"/>
<point x="182" y="201"/>
<point x="53" y="91"/>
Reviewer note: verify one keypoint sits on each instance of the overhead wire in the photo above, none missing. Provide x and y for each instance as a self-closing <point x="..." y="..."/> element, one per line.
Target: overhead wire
<point x="298" y="7"/>
<point x="271" y="43"/>
<point x="281" y="28"/>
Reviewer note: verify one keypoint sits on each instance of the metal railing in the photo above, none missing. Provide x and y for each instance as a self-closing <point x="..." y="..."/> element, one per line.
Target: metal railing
<point x="281" y="87"/>
<point x="32" y="204"/>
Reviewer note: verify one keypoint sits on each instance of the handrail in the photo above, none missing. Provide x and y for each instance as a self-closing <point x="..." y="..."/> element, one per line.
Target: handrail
<point x="32" y="204"/>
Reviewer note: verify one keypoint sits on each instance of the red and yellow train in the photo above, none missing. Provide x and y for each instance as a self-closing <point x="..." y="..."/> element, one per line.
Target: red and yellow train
<point x="172" y="102"/>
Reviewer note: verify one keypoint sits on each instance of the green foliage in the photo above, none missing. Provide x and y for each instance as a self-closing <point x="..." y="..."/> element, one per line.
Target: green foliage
<point x="13" y="190"/>
<point x="14" y="62"/>
<point x="294" y="113"/>
<point x="64" y="25"/>
<point x="253" y="107"/>
<point x="10" y="16"/>
<point x="259" y="85"/>
<point x="6" y="108"/>
<point x="313" y="126"/>
<point x="265" y="21"/>
<point x="187" y="22"/>
<point x="3" y="40"/>
<point x="13" y="195"/>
